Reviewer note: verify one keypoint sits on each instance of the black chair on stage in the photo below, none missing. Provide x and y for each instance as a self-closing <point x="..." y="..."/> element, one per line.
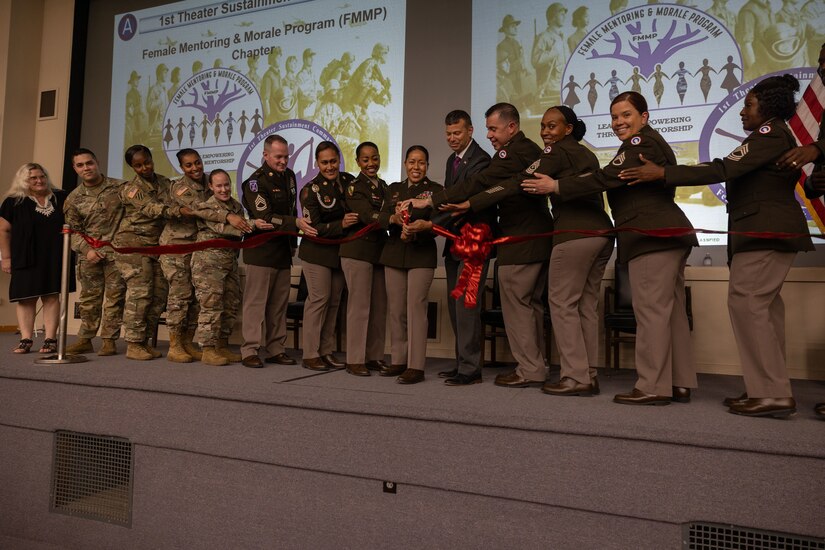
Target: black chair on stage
<point x="295" y="310"/>
<point x="619" y="319"/>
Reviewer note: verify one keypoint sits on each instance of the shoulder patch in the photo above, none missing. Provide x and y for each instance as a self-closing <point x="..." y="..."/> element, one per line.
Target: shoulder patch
<point x="260" y="203"/>
<point x="307" y="217"/>
<point x="635" y="140"/>
<point x="738" y="153"/>
<point x="765" y="129"/>
<point x="133" y="191"/>
<point x="181" y="190"/>
<point x="315" y="188"/>
<point x="351" y="190"/>
<point x="548" y="149"/>
<point x="502" y="154"/>
<point x="619" y="160"/>
<point x="533" y="167"/>
<point x="253" y="186"/>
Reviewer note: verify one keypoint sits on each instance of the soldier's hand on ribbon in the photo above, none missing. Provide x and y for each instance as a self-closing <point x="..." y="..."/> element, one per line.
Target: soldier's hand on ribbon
<point x="416" y="203"/>
<point x="648" y="171"/>
<point x="457" y="209"/>
<point x="417" y="226"/>
<point x="798" y="157"/>
<point x="239" y="223"/>
<point x="350" y="219"/>
<point x="540" y="184"/>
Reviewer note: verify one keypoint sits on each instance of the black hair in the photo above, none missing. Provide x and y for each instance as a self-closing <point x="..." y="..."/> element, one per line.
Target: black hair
<point x="83" y="151"/>
<point x="362" y="145"/>
<point x="184" y="152"/>
<point x="324" y="145"/>
<point x="579" y="127"/>
<point x="456" y="116"/>
<point x="634" y="98"/>
<point x="421" y="148"/>
<point x="135" y="149"/>
<point x="775" y="95"/>
<point x="506" y="111"/>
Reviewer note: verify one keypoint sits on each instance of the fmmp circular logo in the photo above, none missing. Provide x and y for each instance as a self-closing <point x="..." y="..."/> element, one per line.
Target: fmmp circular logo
<point x="216" y="111"/>
<point x="302" y="136"/>
<point x="127" y="27"/>
<point x="658" y="51"/>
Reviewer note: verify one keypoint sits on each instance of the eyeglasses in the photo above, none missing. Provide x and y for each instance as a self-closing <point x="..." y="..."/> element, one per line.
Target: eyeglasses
<point x="37" y="178"/>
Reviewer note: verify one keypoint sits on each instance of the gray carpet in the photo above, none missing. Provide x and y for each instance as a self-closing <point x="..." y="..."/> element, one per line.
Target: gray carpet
<point x="236" y="457"/>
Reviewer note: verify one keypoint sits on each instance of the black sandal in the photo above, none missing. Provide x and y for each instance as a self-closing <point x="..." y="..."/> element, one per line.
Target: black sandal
<point x="24" y="346"/>
<point x="49" y="346"/>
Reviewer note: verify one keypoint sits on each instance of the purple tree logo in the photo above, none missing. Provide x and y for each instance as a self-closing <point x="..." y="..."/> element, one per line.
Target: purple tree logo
<point x="640" y="52"/>
<point x="212" y="100"/>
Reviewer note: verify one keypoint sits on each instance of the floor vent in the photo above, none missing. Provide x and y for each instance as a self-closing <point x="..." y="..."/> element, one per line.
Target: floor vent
<point x="92" y="477"/>
<point x="718" y="536"/>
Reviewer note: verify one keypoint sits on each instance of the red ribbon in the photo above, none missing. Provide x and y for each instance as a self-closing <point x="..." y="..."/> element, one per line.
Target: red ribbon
<point x="251" y="242"/>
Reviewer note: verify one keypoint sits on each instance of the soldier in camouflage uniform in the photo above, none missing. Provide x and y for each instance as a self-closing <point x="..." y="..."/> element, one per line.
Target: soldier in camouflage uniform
<point x="94" y="208"/>
<point x="215" y="271"/>
<point x="181" y="307"/>
<point x="145" y="201"/>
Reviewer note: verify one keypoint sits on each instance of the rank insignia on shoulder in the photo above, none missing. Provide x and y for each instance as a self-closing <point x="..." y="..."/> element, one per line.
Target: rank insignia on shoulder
<point x="619" y="160"/>
<point x="548" y="149"/>
<point x="533" y="167"/>
<point x="253" y="186"/>
<point x="765" y="129"/>
<point x="260" y="203"/>
<point x="635" y="140"/>
<point x="739" y="153"/>
<point x="315" y="188"/>
<point x="502" y="154"/>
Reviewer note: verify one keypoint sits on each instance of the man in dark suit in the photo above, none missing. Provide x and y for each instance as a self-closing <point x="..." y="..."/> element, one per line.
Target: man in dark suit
<point x="467" y="159"/>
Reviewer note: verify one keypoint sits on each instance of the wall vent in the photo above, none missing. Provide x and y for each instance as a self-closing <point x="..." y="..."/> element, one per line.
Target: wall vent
<point x="718" y="536"/>
<point x="92" y="477"/>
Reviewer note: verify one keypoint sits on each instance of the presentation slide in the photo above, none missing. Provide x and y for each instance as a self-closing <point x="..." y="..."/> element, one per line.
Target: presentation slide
<point x="220" y="77"/>
<point x="693" y="61"/>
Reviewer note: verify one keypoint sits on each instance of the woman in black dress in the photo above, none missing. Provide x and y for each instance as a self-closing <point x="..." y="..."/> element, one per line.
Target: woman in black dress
<point x="31" y="244"/>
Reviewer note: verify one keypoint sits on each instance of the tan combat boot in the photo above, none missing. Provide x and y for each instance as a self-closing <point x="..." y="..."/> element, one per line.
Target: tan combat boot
<point x="108" y="347"/>
<point x="83" y="345"/>
<point x="136" y="351"/>
<point x="190" y="347"/>
<point x="211" y="356"/>
<point x="223" y="349"/>
<point x="155" y="353"/>
<point x="177" y="353"/>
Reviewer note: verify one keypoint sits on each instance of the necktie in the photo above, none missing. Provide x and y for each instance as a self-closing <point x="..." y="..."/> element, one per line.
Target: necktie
<point x="456" y="164"/>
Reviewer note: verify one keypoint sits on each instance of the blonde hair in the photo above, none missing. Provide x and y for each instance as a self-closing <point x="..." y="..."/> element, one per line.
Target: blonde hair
<point x="20" y="186"/>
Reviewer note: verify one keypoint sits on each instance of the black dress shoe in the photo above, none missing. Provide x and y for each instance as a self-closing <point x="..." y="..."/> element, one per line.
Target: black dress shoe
<point x="568" y="386"/>
<point x="315" y="364"/>
<point x="376" y="365"/>
<point x="780" y="407"/>
<point x="357" y="369"/>
<point x="728" y="401"/>
<point x="281" y="359"/>
<point x="638" y="397"/>
<point x="333" y="363"/>
<point x="464" y="379"/>
<point x="252" y="361"/>
<point x="514" y="380"/>
<point x="452" y="373"/>
<point x="819" y="409"/>
<point x="681" y="395"/>
<point x="595" y="383"/>
<point x="411" y="376"/>
<point x="392" y="370"/>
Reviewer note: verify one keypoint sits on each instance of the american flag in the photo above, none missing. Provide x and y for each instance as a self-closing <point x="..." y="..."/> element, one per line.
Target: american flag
<point x="805" y="127"/>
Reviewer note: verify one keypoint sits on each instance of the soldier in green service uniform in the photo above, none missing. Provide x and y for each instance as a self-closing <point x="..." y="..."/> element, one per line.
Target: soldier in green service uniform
<point x="94" y="208"/>
<point x="216" y="269"/>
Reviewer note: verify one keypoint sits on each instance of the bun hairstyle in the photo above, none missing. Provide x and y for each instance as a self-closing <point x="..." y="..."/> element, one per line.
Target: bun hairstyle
<point x="579" y="127"/>
<point x="775" y="95"/>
